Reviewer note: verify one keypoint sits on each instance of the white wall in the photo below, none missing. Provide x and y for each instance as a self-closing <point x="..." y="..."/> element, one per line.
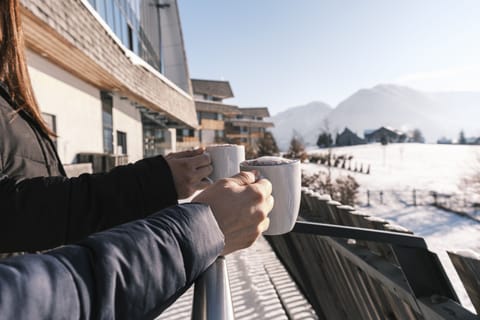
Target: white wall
<point x="76" y="105"/>
<point x="127" y="118"/>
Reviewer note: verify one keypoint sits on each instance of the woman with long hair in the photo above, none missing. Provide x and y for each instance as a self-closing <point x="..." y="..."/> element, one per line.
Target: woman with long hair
<point x="80" y="206"/>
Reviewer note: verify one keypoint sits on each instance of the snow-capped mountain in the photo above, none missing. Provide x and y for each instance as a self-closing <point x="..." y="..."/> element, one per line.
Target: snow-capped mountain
<point x="437" y="115"/>
<point x="302" y="120"/>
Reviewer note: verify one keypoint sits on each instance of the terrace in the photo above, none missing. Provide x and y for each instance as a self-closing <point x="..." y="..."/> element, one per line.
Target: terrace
<point x="337" y="263"/>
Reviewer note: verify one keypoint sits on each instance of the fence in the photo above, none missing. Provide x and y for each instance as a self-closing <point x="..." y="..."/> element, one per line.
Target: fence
<point x="350" y="273"/>
<point x="459" y="203"/>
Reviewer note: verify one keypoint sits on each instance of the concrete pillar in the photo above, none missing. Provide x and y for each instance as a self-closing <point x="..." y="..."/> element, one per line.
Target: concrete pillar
<point x="171" y="139"/>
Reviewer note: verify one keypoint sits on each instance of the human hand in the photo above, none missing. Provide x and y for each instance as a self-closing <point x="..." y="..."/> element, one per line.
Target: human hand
<point x="241" y="206"/>
<point x="189" y="170"/>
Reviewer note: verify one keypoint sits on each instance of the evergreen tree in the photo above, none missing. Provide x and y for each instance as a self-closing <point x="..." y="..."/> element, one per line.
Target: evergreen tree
<point x="418" y="136"/>
<point x="324" y="140"/>
<point x="297" y="149"/>
<point x="461" y="138"/>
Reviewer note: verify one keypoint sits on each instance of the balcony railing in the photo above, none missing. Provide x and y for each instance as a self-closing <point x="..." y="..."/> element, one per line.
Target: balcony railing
<point x="344" y="268"/>
<point x="211" y="298"/>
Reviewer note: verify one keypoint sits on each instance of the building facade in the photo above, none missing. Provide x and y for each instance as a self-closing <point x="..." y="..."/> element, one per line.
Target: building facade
<point x="107" y="79"/>
<point x="226" y="123"/>
<point x="248" y="127"/>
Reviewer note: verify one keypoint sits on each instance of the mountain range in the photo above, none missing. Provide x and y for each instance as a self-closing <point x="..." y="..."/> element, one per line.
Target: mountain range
<point x="440" y="114"/>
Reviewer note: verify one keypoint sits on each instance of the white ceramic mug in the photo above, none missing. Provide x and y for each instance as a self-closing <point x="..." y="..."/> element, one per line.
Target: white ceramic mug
<point x="226" y="159"/>
<point x="285" y="176"/>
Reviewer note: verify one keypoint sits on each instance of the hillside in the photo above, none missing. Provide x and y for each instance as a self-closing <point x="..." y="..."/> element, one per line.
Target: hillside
<point x="303" y="120"/>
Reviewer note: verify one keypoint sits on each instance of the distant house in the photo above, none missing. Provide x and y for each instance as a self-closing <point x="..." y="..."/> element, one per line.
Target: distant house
<point x="348" y="138"/>
<point x="473" y="140"/>
<point x="444" y="140"/>
<point x="386" y="134"/>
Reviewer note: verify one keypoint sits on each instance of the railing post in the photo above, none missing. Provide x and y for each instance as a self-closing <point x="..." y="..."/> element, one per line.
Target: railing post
<point x="211" y="298"/>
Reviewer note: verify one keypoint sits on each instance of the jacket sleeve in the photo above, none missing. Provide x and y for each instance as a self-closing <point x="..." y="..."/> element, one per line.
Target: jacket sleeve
<point x="42" y="213"/>
<point x="133" y="271"/>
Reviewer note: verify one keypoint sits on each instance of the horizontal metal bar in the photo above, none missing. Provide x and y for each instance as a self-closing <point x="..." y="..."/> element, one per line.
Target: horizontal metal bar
<point x="211" y="298"/>
<point x="336" y="231"/>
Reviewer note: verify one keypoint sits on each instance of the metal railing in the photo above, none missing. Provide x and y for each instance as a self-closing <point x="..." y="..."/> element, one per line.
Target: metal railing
<point x="211" y="298"/>
<point x="422" y="268"/>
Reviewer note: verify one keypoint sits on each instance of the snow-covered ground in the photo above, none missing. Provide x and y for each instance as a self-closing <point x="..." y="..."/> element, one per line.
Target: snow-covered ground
<point x="397" y="169"/>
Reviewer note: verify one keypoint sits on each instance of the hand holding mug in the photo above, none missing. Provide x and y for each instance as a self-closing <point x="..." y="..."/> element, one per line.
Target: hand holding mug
<point x="241" y="205"/>
<point x="189" y="170"/>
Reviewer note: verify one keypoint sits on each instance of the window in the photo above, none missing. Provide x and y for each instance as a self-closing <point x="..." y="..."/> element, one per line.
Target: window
<point x="109" y="14"/>
<point x="209" y="115"/>
<point x="107" y="122"/>
<point x="51" y="122"/>
<point x="121" y="142"/>
<point x="130" y="37"/>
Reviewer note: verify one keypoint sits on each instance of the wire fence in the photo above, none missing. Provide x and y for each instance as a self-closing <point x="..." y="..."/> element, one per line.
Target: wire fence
<point x="460" y="203"/>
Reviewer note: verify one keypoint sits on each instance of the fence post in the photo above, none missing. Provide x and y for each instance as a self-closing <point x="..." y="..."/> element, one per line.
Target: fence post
<point x="381" y="197"/>
<point x="434" y="194"/>
<point x="368" y="198"/>
<point x="414" y="197"/>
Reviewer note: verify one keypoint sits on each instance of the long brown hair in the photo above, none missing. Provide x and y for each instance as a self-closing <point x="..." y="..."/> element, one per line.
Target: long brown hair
<point x="13" y="67"/>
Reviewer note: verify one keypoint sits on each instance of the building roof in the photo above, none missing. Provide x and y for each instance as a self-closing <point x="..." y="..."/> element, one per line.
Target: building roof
<point x="257" y="112"/>
<point x="217" y="107"/>
<point x="214" y="88"/>
<point x="383" y="129"/>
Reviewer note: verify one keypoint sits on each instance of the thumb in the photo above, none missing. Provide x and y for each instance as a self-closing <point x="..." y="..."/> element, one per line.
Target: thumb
<point x="245" y="177"/>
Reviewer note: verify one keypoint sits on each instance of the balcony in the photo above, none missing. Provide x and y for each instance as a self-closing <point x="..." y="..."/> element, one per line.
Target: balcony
<point x="184" y="143"/>
<point x="209" y="124"/>
<point x="341" y="265"/>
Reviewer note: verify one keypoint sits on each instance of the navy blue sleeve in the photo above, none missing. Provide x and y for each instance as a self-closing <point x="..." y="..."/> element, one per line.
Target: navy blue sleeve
<point x="133" y="271"/>
<point x="45" y="212"/>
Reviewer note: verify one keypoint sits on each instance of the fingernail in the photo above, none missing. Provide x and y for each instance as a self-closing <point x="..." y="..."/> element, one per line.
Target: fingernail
<point x="208" y="180"/>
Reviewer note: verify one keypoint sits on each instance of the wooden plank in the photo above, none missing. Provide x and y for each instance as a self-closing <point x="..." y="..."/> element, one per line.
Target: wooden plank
<point x="438" y="308"/>
<point x="468" y="269"/>
<point x="318" y="261"/>
<point x="332" y="212"/>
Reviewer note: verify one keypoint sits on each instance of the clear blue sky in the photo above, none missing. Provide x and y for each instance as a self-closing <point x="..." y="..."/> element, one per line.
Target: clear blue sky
<point x="279" y="53"/>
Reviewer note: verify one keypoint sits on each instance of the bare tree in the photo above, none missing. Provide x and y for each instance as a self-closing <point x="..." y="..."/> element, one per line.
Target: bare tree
<point x="267" y="146"/>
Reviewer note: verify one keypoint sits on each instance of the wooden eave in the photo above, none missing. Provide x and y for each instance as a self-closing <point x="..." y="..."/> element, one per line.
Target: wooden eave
<point x="209" y="106"/>
<point x="45" y="40"/>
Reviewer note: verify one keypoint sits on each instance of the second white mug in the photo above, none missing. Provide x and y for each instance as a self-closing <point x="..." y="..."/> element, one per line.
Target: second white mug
<point x="226" y="159"/>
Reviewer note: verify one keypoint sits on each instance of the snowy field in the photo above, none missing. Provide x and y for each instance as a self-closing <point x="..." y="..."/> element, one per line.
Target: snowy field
<point x="397" y="169"/>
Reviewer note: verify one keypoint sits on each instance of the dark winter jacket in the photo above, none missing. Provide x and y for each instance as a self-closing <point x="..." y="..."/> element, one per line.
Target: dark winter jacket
<point x="133" y="271"/>
<point x="50" y="210"/>
<point x="25" y="151"/>
<point x="45" y="212"/>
